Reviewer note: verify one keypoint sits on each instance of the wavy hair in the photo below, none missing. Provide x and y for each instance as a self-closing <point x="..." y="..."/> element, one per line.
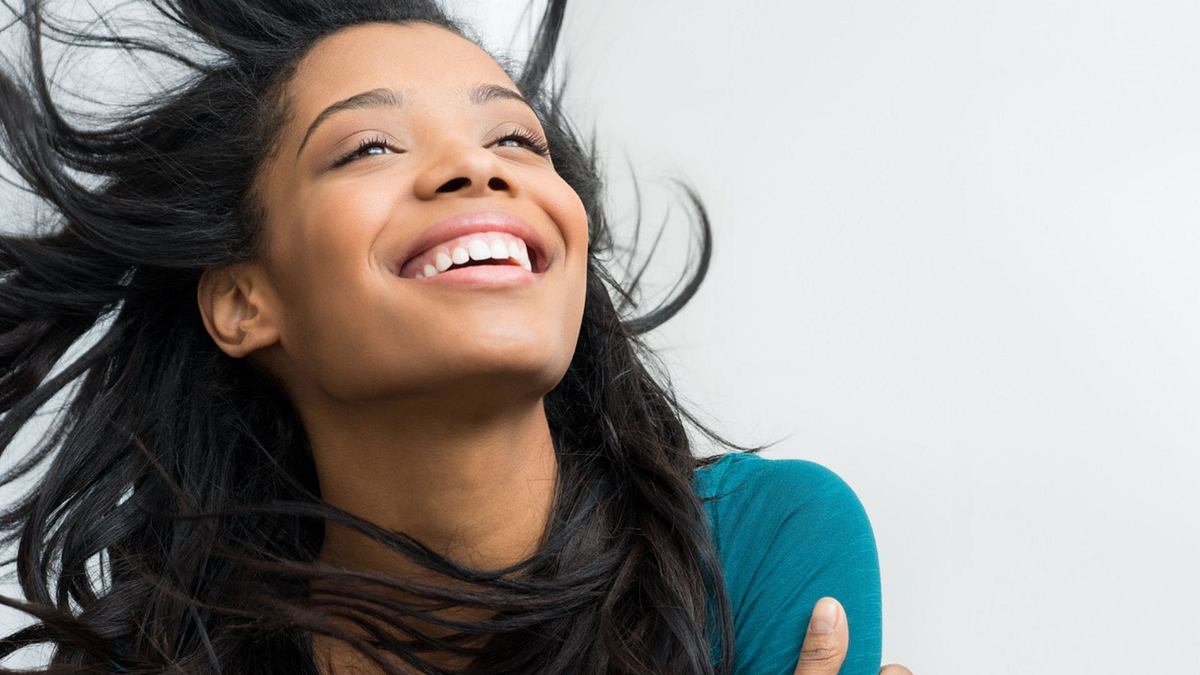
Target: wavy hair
<point x="175" y="522"/>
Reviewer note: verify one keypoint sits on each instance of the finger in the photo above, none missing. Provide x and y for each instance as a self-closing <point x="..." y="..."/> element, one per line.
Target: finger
<point x="826" y="641"/>
<point x="894" y="669"/>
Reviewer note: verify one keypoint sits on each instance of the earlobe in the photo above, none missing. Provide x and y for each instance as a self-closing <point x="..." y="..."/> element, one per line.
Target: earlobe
<point x="235" y="310"/>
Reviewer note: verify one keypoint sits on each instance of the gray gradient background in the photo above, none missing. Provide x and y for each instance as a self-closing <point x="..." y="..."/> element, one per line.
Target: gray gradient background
<point x="958" y="262"/>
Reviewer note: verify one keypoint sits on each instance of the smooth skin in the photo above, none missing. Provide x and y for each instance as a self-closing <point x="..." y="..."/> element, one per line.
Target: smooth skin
<point x="423" y="403"/>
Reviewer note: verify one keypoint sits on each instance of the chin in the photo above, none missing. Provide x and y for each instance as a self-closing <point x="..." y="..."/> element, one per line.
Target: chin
<point x="536" y="372"/>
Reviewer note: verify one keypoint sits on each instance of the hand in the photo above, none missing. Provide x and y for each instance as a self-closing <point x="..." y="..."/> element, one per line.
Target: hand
<point x="826" y="642"/>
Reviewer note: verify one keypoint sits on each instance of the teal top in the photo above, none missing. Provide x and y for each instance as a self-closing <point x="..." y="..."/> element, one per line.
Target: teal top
<point x="788" y="532"/>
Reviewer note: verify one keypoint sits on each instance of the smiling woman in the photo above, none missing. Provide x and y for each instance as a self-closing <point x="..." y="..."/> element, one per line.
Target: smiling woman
<point x="361" y="399"/>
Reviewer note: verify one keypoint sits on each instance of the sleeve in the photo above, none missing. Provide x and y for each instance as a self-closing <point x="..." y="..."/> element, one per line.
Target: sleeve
<point x="798" y="533"/>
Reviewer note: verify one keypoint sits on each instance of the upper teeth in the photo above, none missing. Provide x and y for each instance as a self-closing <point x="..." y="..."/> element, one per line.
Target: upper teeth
<point x="475" y="246"/>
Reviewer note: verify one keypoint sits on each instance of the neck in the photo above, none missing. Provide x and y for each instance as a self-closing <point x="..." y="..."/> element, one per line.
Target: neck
<point x="474" y="487"/>
<point x="473" y="480"/>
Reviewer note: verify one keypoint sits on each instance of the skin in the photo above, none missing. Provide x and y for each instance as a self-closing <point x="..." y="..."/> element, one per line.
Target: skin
<point x="827" y="641"/>
<point x="423" y="404"/>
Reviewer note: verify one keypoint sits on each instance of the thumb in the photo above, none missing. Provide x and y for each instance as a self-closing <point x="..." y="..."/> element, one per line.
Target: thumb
<point x="826" y="641"/>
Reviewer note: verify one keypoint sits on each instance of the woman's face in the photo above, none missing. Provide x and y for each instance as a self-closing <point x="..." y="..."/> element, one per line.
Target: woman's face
<point x="352" y="191"/>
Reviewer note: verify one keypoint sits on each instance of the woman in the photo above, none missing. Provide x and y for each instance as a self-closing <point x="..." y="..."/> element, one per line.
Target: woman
<point x="359" y="398"/>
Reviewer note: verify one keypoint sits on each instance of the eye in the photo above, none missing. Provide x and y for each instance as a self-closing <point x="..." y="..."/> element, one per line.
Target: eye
<point x="528" y="139"/>
<point x="374" y="145"/>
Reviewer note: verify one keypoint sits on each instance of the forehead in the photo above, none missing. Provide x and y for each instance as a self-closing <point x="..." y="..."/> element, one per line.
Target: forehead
<point x="427" y="60"/>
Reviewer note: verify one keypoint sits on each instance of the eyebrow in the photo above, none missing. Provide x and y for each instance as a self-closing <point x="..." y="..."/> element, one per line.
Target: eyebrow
<point x="392" y="98"/>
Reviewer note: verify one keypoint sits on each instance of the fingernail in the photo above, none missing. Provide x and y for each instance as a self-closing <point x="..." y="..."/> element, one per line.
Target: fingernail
<point x="824" y="617"/>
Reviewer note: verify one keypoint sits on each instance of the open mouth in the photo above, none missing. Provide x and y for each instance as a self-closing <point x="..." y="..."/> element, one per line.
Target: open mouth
<point x="474" y="250"/>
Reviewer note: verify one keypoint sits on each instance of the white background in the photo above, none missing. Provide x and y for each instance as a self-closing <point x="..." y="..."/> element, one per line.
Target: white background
<point x="958" y="262"/>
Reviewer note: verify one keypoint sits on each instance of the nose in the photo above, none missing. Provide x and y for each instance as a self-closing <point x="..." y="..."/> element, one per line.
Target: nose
<point x="468" y="170"/>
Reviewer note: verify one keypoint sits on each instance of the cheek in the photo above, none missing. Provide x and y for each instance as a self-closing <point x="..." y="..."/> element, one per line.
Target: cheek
<point x="566" y="208"/>
<point x="344" y="213"/>
<point x="331" y="236"/>
<point x="323" y="247"/>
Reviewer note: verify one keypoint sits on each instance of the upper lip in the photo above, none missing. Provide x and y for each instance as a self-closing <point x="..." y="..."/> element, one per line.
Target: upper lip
<point x="467" y="222"/>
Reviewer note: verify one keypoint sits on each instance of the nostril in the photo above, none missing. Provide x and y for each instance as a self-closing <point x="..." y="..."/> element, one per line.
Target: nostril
<point x="454" y="184"/>
<point x="497" y="184"/>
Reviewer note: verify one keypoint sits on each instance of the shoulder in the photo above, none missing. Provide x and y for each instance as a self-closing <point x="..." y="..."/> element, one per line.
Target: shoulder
<point x="768" y="491"/>
<point x="789" y="531"/>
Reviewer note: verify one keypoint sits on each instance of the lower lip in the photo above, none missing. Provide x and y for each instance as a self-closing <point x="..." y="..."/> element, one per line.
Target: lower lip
<point x="484" y="276"/>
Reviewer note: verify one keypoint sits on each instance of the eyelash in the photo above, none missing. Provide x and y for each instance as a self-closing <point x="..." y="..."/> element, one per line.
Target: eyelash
<point x="531" y="140"/>
<point x="362" y="145"/>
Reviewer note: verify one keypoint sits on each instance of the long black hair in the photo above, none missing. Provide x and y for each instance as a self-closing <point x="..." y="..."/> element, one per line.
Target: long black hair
<point x="176" y="521"/>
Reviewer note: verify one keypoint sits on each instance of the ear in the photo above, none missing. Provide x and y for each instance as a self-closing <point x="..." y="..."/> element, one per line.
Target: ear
<point x="237" y="308"/>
